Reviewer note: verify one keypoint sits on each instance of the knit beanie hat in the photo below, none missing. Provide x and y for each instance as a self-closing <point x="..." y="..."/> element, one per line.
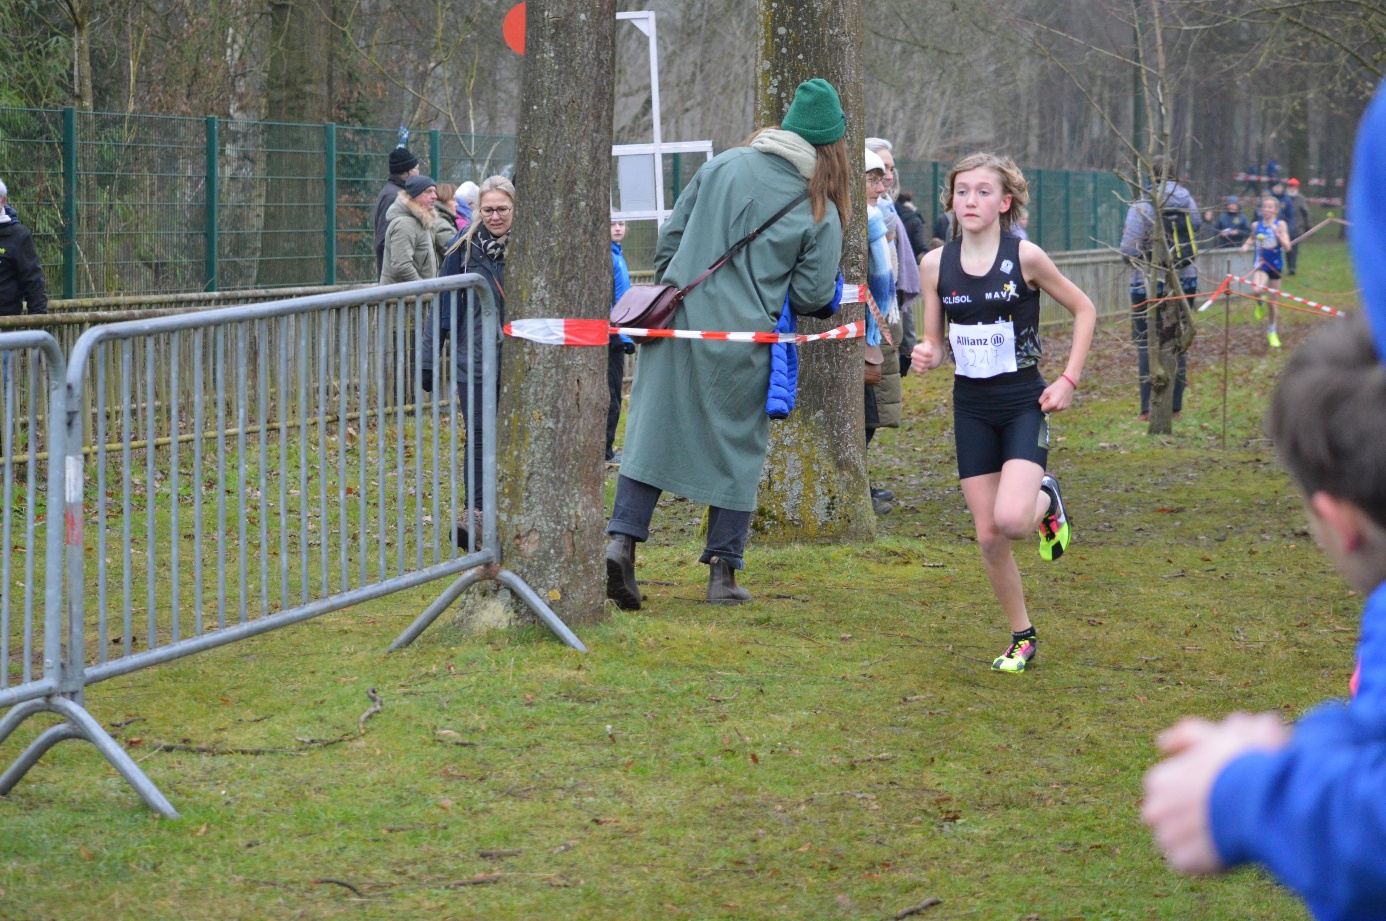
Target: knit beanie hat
<point x="417" y="185"/>
<point x="874" y="161"/>
<point x="402" y="161"/>
<point x="816" y="113"/>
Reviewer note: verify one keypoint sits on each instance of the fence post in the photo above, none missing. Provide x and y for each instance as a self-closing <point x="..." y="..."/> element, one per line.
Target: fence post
<point x="209" y="261"/>
<point x="1038" y="235"/>
<point x="329" y="184"/>
<point x="1068" y="211"/>
<point x="1092" y="188"/>
<point x="933" y="198"/>
<point x="435" y="154"/>
<point x="69" y="202"/>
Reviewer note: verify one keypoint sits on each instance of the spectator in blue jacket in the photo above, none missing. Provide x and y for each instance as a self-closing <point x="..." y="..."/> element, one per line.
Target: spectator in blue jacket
<point x="1304" y="802"/>
<point x="618" y="347"/>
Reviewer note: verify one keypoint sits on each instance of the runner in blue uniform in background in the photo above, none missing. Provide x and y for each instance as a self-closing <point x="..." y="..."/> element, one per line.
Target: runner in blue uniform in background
<point x="1271" y="237"/>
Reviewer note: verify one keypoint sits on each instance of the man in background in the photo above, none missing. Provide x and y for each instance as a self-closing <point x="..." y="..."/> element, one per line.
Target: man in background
<point x="21" y="276"/>
<point x="403" y="164"/>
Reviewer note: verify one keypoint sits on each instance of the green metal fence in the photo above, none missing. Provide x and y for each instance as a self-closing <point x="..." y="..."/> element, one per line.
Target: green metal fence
<point x="140" y="204"/>
<point x="1069" y="210"/>
<point x="133" y="204"/>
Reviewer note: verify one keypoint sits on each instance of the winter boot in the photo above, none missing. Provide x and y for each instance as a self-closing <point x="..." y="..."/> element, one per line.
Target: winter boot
<point x="620" y="573"/>
<point x="721" y="584"/>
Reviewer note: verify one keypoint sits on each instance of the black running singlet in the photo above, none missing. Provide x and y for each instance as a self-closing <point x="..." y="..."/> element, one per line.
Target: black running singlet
<point x="993" y="318"/>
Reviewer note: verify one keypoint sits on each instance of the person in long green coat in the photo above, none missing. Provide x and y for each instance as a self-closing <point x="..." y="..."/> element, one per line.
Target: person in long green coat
<point x="697" y="425"/>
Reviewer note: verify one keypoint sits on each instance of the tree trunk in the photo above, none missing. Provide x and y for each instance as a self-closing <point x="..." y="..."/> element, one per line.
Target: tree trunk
<point x="298" y="90"/>
<point x="79" y="11"/>
<point x="552" y="420"/>
<point x="814" y="486"/>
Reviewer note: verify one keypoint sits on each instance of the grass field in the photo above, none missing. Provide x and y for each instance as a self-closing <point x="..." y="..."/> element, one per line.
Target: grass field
<point x="837" y="749"/>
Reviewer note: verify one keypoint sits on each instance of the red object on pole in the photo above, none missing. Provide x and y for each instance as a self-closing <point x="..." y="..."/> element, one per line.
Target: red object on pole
<point x="514" y="28"/>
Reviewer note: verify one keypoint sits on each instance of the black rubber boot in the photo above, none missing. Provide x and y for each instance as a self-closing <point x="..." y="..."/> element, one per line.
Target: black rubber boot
<point x="721" y="584"/>
<point x="620" y="573"/>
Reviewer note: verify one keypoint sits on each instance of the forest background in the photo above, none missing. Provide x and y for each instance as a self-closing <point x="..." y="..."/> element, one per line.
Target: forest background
<point x="1045" y="83"/>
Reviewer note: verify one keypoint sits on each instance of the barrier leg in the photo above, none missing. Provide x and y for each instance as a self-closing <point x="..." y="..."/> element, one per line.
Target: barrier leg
<point x="445" y="600"/>
<point x="80" y="725"/>
<point x="93" y="732"/>
<point x="19" y="714"/>
<point x="36" y="750"/>
<point x="536" y="604"/>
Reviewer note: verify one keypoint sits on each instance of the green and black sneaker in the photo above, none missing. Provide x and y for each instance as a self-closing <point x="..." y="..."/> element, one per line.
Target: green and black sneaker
<point x="1055" y="530"/>
<point x="1018" y="655"/>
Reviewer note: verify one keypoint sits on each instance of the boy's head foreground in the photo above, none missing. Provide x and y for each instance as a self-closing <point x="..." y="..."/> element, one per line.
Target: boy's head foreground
<point x="1328" y="418"/>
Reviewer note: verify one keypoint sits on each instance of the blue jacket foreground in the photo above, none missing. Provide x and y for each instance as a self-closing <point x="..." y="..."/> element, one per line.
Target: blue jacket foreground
<point x="1314" y="813"/>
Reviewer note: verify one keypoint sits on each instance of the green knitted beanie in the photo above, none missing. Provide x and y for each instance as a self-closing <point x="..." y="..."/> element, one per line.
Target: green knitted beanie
<point x="816" y="114"/>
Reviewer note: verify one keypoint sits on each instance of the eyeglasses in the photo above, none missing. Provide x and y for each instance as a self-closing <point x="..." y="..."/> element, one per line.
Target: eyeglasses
<point x="490" y="211"/>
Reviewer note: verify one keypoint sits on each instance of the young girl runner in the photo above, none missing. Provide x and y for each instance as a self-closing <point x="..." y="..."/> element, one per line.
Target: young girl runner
<point x="988" y="283"/>
<point x="1271" y="236"/>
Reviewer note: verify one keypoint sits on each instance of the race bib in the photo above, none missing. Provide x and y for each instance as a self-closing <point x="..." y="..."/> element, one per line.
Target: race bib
<point x="983" y="349"/>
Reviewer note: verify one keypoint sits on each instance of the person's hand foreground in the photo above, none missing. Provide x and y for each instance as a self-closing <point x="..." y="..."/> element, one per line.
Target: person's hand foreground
<point x="1178" y="789"/>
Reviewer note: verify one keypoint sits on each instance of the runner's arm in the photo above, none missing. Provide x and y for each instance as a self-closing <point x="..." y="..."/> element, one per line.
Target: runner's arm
<point x="1040" y="272"/>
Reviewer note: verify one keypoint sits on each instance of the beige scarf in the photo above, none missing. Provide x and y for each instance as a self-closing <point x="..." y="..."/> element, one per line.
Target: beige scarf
<point x="789" y="145"/>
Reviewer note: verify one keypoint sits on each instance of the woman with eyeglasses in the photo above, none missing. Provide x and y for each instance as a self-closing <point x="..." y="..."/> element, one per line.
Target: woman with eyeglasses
<point x="480" y="249"/>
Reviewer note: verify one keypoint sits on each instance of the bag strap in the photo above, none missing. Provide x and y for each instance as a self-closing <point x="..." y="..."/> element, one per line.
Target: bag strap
<point x="741" y="244"/>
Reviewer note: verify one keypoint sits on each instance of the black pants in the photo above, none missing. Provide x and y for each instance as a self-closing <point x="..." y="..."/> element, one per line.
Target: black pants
<point x="727" y="529"/>
<point x="615" y="374"/>
<point x="1292" y="259"/>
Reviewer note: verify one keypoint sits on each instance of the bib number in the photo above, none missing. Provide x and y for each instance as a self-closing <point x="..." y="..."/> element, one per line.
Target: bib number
<point x="983" y="349"/>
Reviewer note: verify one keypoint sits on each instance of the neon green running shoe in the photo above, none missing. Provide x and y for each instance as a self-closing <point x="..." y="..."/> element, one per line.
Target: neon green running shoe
<point x="1055" y="530"/>
<point x="1274" y="340"/>
<point x="1260" y="310"/>
<point x="1018" y="655"/>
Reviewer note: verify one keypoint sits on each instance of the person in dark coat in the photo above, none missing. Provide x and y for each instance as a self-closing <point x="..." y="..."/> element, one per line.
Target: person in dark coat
<point x="403" y="164"/>
<point x="21" y="275"/>
<point x="480" y="249"/>
<point x="1232" y="226"/>
<point x="697" y="424"/>
<point x="914" y="224"/>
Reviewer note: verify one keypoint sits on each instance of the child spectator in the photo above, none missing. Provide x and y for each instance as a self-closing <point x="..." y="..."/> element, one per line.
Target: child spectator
<point x="1304" y="802"/>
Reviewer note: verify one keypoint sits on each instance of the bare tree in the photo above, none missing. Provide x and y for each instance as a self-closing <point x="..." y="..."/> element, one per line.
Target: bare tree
<point x="814" y="485"/>
<point x="553" y="402"/>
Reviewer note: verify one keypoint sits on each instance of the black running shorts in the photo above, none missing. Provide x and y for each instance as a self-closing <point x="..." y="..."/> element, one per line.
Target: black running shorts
<point x="997" y="422"/>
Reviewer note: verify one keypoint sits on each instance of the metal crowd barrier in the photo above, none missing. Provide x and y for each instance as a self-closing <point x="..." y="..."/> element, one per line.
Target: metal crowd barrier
<point x="229" y="472"/>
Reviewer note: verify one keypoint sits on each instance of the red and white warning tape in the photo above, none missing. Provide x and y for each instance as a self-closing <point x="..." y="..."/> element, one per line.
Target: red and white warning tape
<point x="555" y="331"/>
<point x="1323" y="308"/>
<point x="598" y="332"/>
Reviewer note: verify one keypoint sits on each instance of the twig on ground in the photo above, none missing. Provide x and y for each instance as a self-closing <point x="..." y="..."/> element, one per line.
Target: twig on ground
<point x="214" y="750"/>
<point x="123" y="723"/>
<point x="474" y="881"/>
<point x="376" y="707"/>
<point x="308" y="743"/>
<point x="722" y="700"/>
<point x="881" y="757"/>
<point x="930" y="902"/>
<point x="339" y="882"/>
<point x="496" y="853"/>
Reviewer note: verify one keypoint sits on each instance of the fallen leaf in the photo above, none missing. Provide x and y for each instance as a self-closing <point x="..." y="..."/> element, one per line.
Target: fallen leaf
<point x="555" y="594"/>
<point x="607" y="821"/>
<point x="755" y="759"/>
<point x="805" y="847"/>
<point x="86" y="854"/>
<point x="445" y="803"/>
<point x="200" y="832"/>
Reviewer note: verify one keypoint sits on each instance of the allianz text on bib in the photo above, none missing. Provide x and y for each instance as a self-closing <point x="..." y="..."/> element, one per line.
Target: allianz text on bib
<point x="983" y="349"/>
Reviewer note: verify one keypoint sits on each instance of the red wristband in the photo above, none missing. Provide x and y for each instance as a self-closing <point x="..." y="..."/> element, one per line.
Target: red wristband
<point x="1070" y="380"/>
